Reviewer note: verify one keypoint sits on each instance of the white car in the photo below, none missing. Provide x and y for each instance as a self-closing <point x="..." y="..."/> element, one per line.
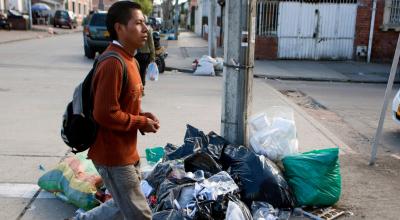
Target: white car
<point x="396" y="108"/>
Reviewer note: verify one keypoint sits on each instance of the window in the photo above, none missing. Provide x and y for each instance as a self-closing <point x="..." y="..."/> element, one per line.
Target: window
<point x="267" y="17"/>
<point x="391" y="17"/>
<point x="66" y="5"/>
<point x="84" y="10"/>
<point x="98" y="20"/>
<point x="79" y="8"/>
<point x="73" y="7"/>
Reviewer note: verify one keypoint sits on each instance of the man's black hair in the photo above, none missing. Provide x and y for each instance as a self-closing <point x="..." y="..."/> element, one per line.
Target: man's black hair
<point x="119" y="12"/>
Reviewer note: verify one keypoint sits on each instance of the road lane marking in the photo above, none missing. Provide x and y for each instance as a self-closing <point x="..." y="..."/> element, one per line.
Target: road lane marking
<point x="22" y="190"/>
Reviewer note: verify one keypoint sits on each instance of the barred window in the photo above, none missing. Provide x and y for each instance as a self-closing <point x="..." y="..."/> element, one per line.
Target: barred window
<point x="394" y="18"/>
<point x="267" y="17"/>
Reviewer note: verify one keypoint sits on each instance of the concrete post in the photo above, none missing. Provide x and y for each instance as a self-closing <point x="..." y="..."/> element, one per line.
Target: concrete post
<point x="378" y="134"/>
<point x="176" y="19"/>
<point x="212" y="42"/>
<point x="238" y="69"/>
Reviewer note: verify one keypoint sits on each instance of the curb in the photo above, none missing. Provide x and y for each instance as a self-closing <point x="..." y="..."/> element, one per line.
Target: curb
<point x="179" y="69"/>
<point x="343" y="147"/>
<point x="44" y="36"/>
<point x="323" y="79"/>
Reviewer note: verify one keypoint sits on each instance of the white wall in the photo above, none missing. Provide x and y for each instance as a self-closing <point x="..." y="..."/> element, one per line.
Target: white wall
<point x="17" y="5"/>
<point x="198" y="16"/>
<point x="1" y="5"/>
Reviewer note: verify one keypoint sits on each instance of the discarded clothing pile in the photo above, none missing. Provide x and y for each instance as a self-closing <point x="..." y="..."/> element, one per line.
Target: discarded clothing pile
<point x="209" y="178"/>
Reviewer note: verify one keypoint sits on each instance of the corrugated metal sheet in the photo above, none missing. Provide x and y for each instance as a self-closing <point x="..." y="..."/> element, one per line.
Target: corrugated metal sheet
<point x="316" y="31"/>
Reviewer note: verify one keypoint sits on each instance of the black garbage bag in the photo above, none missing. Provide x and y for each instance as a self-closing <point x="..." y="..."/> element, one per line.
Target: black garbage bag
<point x="184" y="194"/>
<point x="258" y="178"/>
<point x="190" y="146"/>
<point x="168" y="184"/>
<point x="202" y="161"/>
<point x="196" y="141"/>
<point x="216" y="145"/>
<point x="217" y="209"/>
<point x="192" y="132"/>
<point x="159" y="174"/>
<point x="169" y="215"/>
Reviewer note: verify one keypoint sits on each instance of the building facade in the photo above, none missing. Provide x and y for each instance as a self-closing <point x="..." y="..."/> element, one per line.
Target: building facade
<point x="3" y="6"/>
<point x="317" y="29"/>
<point x="80" y="8"/>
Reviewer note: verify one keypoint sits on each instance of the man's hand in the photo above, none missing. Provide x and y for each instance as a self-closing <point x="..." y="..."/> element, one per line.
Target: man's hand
<point x="151" y="126"/>
<point x="151" y="116"/>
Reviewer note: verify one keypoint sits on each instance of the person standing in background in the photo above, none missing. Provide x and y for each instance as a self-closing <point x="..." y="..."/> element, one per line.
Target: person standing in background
<point x="145" y="55"/>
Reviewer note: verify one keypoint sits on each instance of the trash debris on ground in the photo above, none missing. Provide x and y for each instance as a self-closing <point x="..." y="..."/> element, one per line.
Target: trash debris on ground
<point x="273" y="135"/>
<point x="75" y="180"/>
<point x="207" y="177"/>
<point x="328" y="213"/>
<point x="155" y="154"/>
<point x="314" y="177"/>
<point x="207" y="66"/>
<point x="258" y="178"/>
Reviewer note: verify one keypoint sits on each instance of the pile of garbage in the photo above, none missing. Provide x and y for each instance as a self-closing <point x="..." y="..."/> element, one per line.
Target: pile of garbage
<point x="207" y="177"/>
<point x="207" y="66"/>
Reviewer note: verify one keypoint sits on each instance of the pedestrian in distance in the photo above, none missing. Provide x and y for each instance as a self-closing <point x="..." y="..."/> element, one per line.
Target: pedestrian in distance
<point x="117" y="111"/>
<point x="146" y="54"/>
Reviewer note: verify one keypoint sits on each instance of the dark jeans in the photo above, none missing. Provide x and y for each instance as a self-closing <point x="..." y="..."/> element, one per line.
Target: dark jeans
<point x="144" y="61"/>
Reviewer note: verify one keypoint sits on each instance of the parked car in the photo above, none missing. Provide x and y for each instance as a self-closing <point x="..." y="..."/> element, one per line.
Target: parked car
<point x="65" y="18"/>
<point x="17" y="20"/>
<point x="4" y="23"/>
<point x="396" y="108"/>
<point x="95" y="35"/>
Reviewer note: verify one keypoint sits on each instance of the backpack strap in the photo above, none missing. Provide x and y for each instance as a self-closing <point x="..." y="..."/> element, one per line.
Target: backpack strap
<point x="108" y="54"/>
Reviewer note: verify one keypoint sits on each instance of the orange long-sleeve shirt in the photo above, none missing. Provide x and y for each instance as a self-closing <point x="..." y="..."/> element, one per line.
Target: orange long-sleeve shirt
<point x="117" y="113"/>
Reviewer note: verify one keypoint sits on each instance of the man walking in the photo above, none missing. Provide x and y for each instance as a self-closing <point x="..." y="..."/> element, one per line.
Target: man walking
<point x="119" y="117"/>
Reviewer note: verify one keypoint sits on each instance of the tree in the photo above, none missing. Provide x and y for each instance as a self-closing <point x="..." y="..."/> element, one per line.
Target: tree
<point x="168" y="10"/>
<point x="147" y="6"/>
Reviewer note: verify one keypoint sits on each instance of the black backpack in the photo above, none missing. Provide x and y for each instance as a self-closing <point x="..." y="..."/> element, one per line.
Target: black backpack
<point x="79" y="128"/>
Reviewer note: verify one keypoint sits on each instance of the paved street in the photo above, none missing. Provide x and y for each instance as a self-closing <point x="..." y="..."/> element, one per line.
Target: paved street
<point x="357" y="105"/>
<point x="37" y="78"/>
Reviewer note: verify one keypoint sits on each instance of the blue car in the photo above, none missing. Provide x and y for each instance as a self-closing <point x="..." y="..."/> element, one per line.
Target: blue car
<point x="95" y="35"/>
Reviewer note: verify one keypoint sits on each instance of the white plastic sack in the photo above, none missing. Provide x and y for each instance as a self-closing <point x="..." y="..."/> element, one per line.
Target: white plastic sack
<point x="274" y="138"/>
<point x="234" y="212"/>
<point x="152" y="72"/>
<point x="209" y="59"/>
<point x="204" y="68"/>
<point x="146" y="188"/>
<point x="219" y="64"/>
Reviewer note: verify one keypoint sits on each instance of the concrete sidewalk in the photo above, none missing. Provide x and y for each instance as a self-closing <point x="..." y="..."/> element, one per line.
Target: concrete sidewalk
<point x="38" y="31"/>
<point x="189" y="47"/>
<point x="179" y="99"/>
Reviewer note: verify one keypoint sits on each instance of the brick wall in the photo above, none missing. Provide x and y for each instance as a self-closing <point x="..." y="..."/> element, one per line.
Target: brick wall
<point x="266" y="48"/>
<point x="384" y="42"/>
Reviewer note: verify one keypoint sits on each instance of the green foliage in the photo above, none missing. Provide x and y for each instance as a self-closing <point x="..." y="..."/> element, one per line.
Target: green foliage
<point x="147" y="6"/>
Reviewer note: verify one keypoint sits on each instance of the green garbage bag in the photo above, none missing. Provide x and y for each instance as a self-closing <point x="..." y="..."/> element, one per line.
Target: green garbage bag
<point x="314" y="177"/>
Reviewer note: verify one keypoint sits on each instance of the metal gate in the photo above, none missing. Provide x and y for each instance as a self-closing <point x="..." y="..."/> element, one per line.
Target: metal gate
<point x="310" y="29"/>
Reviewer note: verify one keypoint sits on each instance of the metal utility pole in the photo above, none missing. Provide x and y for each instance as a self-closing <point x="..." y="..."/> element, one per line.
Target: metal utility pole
<point x="371" y="31"/>
<point x="238" y="69"/>
<point x="389" y="86"/>
<point x="212" y="42"/>
<point x="30" y="13"/>
<point x="177" y="14"/>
